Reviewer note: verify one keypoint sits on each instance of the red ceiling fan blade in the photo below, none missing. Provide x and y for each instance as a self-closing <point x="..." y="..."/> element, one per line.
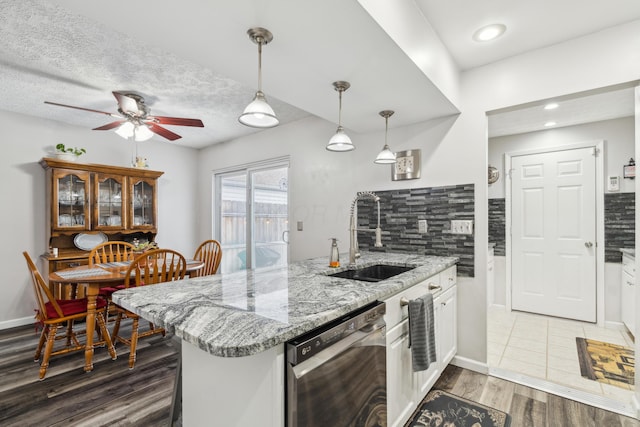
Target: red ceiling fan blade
<point x="111" y="125"/>
<point x="165" y="133"/>
<point x="176" y="121"/>
<point x="81" y="108"/>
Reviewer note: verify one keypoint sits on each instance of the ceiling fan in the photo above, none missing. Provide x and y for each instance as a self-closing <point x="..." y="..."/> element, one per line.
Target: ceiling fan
<point x="135" y="120"/>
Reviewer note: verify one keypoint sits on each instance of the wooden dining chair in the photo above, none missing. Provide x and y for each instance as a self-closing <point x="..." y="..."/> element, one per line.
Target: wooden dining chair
<point x="53" y="314"/>
<point x="150" y="268"/>
<point x="113" y="251"/>
<point x="210" y="253"/>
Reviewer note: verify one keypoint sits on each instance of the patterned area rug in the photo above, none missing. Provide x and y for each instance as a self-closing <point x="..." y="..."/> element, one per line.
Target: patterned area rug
<point x="440" y="408"/>
<point x="607" y="363"/>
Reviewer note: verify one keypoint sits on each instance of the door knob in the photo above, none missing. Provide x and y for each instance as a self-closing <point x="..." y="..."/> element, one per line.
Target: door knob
<point x="588" y="244"/>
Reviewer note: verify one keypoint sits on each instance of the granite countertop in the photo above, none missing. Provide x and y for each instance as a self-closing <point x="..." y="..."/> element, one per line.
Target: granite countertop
<point x="248" y="312"/>
<point x="630" y="252"/>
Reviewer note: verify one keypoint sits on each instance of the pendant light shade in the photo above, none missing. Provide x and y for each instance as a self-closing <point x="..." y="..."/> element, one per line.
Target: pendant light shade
<point x="259" y="113"/>
<point x="340" y="141"/>
<point x="386" y="156"/>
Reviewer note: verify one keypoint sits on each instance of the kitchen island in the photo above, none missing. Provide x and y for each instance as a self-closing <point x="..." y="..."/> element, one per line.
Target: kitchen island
<point x="234" y="327"/>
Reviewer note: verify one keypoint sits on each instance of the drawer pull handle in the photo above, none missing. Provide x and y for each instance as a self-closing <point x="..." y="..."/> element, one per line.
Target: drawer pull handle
<point x="403" y="302"/>
<point x="433" y="286"/>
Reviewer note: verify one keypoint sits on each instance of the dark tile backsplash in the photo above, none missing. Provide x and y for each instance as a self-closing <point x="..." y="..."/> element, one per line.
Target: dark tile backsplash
<point x="619" y="224"/>
<point x="497" y="226"/>
<point x="400" y="211"/>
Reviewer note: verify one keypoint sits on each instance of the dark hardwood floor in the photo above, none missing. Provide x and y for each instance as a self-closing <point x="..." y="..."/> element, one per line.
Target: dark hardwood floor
<point x="110" y="395"/>
<point x="528" y="407"/>
<point x="113" y="395"/>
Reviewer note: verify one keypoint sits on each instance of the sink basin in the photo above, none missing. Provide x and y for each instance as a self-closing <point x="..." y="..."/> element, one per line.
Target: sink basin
<point x="373" y="273"/>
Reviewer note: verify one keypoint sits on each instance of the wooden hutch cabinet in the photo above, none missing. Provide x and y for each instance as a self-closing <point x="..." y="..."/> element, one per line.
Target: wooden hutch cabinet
<point x="90" y="199"/>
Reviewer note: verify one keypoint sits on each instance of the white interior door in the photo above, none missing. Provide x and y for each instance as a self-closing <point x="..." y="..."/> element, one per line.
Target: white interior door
<point x="554" y="233"/>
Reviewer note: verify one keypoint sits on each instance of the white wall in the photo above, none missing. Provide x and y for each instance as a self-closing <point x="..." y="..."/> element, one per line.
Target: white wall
<point x="603" y="59"/>
<point x="619" y="147"/>
<point x="618" y="135"/>
<point x="26" y="141"/>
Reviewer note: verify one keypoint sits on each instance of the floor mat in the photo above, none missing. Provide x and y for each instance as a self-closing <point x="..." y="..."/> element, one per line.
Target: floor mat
<point x="440" y="408"/>
<point x="607" y="363"/>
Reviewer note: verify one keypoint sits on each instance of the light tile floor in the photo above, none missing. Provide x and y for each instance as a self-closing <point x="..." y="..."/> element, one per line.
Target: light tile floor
<point x="545" y="347"/>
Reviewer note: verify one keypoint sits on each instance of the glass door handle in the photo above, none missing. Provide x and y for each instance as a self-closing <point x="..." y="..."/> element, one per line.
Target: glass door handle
<point x="285" y="236"/>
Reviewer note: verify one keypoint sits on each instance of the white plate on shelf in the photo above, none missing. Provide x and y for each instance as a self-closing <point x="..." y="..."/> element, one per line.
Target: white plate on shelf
<point x="86" y="241"/>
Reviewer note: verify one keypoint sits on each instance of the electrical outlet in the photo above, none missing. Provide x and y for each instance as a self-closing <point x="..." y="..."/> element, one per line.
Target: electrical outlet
<point x="422" y="226"/>
<point x="299" y="225"/>
<point x="462" y="227"/>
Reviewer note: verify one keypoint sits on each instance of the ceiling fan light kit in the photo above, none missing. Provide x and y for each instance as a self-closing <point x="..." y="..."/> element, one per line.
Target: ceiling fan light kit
<point x="340" y="141"/>
<point x="386" y="156"/>
<point x="259" y="113"/>
<point x="135" y="121"/>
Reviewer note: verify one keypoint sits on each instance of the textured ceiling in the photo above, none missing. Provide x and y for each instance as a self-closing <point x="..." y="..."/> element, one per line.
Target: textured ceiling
<point x="193" y="58"/>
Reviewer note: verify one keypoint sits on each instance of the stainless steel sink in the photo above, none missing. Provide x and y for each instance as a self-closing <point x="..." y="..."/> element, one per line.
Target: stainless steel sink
<point x="373" y="273"/>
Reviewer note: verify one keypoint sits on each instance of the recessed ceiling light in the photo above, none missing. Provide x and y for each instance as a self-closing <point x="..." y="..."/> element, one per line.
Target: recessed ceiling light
<point x="549" y="124"/>
<point x="551" y="106"/>
<point x="490" y="32"/>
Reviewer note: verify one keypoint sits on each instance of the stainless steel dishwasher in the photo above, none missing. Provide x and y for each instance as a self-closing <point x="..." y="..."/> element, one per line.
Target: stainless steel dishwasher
<point x="336" y="374"/>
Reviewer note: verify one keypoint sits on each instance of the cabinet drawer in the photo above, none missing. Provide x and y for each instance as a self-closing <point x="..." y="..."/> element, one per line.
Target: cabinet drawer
<point x="395" y="311"/>
<point x="68" y="263"/>
<point x="629" y="265"/>
<point x="448" y="277"/>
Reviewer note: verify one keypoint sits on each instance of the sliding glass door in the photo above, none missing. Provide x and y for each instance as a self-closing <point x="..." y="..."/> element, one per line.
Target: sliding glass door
<point x="252" y="222"/>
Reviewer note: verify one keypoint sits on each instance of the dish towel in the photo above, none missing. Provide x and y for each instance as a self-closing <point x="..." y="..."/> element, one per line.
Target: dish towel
<point x="422" y="337"/>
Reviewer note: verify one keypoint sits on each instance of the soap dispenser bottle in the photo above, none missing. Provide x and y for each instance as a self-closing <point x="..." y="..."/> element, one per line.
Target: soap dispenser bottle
<point x="334" y="258"/>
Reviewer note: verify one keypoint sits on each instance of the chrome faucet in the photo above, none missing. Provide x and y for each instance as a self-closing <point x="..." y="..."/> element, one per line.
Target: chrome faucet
<point x="354" y="251"/>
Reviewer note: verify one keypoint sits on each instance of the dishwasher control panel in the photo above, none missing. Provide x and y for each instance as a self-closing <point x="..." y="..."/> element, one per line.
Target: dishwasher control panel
<point x="305" y="346"/>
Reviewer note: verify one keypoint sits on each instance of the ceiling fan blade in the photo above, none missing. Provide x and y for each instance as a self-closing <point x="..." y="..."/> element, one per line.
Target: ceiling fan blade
<point x="82" y="108"/>
<point x="110" y="126"/>
<point x="166" y="133"/>
<point x="177" y="121"/>
<point x="127" y="104"/>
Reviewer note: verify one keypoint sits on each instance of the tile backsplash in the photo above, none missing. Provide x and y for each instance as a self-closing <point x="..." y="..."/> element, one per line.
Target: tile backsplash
<point x="400" y="211"/>
<point x="619" y="225"/>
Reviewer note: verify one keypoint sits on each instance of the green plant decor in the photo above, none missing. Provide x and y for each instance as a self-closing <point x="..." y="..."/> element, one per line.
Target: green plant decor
<point x="60" y="148"/>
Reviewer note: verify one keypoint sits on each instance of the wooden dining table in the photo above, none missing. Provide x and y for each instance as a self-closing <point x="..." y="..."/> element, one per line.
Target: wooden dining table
<point x="93" y="278"/>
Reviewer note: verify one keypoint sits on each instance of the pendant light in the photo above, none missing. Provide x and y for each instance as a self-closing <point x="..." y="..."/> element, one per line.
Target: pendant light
<point x="340" y="141"/>
<point x="386" y="156"/>
<point x="259" y="113"/>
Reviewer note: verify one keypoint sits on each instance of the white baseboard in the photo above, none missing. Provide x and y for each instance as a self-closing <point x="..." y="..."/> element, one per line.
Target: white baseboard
<point x="7" y="324"/>
<point x="472" y="365"/>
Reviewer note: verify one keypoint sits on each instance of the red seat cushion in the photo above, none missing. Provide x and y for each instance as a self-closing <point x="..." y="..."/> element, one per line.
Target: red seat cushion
<point x="108" y="290"/>
<point x="72" y="306"/>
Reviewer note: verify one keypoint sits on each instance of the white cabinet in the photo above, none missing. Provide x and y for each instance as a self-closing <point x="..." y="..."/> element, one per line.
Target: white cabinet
<point x="491" y="276"/>
<point x="628" y="293"/>
<point x="447" y="326"/>
<point x="405" y="388"/>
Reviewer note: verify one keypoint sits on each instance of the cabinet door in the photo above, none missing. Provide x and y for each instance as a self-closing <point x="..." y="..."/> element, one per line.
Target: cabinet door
<point x="401" y="396"/>
<point x="447" y="327"/>
<point x="70" y="200"/>
<point x="109" y="202"/>
<point x="628" y="294"/>
<point x="424" y="380"/>
<point x="142" y="202"/>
